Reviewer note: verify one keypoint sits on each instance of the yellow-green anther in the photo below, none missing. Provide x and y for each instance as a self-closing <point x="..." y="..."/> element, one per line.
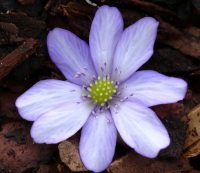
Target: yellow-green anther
<point x="102" y="91"/>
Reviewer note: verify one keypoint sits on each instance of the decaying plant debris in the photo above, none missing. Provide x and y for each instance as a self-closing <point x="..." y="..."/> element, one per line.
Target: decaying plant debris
<point x="24" y="60"/>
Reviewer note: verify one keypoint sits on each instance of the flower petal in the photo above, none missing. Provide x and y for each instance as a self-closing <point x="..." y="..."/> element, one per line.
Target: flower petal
<point x="106" y="29"/>
<point x="153" y="88"/>
<point x="61" y="123"/>
<point x="45" y="96"/>
<point x="134" y="48"/>
<point x="98" y="140"/>
<point x="71" y="55"/>
<point x="140" y="128"/>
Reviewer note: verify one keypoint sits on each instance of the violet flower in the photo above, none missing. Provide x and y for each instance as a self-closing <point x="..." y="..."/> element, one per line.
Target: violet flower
<point x="104" y="93"/>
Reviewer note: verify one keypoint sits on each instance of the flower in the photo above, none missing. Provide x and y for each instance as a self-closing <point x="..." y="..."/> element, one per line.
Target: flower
<point x="104" y="93"/>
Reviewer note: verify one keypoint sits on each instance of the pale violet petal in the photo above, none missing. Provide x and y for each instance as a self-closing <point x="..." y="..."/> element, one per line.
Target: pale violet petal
<point x="71" y="55"/>
<point x="140" y="128"/>
<point x="46" y="95"/>
<point x="134" y="48"/>
<point x="61" y="123"/>
<point x="106" y="29"/>
<point x="152" y="88"/>
<point x="98" y="140"/>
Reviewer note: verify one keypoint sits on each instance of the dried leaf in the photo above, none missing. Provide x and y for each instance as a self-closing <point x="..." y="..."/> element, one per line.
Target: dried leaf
<point x="18" y="152"/>
<point x="134" y="163"/>
<point x="69" y="154"/>
<point x="192" y="143"/>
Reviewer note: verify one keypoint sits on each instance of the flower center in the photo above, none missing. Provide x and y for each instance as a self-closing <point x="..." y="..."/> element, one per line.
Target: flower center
<point x="102" y="90"/>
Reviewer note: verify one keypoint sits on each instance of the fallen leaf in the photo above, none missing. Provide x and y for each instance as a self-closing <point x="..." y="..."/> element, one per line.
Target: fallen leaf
<point x="69" y="154"/>
<point x="134" y="163"/>
<point x="192" y="142"/>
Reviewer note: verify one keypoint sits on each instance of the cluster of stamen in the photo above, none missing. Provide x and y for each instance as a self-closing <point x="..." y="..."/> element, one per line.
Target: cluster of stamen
<point x="102" y="90"/>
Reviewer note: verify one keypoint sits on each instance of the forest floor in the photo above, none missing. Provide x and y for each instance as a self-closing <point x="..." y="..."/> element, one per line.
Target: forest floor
<point x="24" y="60"/>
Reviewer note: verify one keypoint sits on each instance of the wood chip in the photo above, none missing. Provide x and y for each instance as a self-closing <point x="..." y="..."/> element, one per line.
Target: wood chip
<point x="26" y="2"/>
<point x="27" y="26"/>
<point x="186" y="41"/>
<point x="17" y="56"/>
